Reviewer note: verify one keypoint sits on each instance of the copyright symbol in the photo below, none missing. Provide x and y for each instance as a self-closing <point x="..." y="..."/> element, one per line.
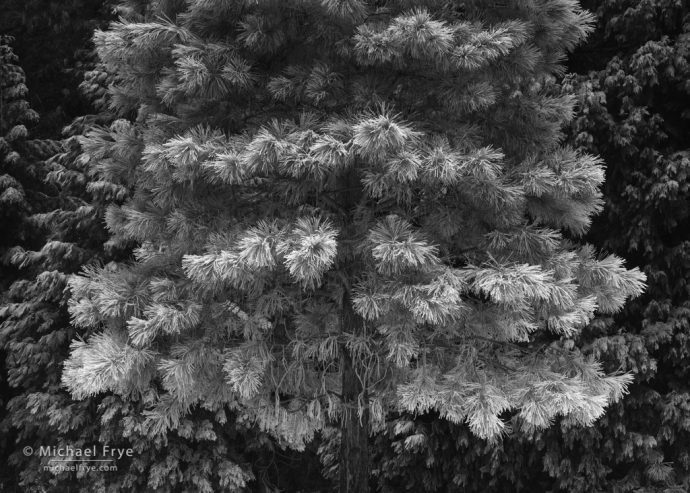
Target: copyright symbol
<point x="28" y="451"/>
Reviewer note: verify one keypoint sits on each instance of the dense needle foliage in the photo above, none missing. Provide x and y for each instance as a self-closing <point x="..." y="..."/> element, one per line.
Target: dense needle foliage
<point x="200" y="77"/>
<point x="633" y="98"/>
<point x="316" y="243"/>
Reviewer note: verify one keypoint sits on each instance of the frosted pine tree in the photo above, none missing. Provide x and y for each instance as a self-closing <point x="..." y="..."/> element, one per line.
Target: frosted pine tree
<point x="346" y="208"/>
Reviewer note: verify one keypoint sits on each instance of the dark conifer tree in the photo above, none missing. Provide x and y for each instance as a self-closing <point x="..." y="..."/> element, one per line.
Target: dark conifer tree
<point x="52" y="40"/>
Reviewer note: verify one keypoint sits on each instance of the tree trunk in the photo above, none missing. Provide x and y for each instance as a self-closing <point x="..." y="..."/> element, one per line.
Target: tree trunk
<point x="354" y="429"/>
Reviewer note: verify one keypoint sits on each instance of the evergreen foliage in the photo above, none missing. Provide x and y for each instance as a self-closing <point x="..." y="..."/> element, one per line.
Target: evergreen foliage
<point x="20" y="177"/>
<point x="24" y="195"/>
<point x="637" y="118"/>
<point x="631" y="111"/>
<point x="35" y="335"/>
<point x="342" y="210"/>
<point x="56" y="232"/>
<point x="43" y="215"/>
<point x="52" y="40"/>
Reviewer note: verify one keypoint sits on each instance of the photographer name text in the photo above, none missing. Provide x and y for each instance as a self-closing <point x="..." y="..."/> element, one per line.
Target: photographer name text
<point x="104" y="451"/>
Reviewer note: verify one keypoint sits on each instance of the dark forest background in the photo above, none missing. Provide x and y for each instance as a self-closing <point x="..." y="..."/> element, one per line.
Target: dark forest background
<point x="632" y="79"/>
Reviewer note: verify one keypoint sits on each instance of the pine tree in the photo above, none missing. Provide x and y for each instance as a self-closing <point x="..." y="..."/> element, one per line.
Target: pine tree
<point x="344" y="209"/>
